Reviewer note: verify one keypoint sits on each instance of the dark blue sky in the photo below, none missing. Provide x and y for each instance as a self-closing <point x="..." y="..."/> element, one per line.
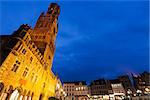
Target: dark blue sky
<point x="95" y="39"/>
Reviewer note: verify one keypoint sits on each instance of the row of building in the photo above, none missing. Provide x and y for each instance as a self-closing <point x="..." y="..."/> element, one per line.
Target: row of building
<point x="121" y="88"/>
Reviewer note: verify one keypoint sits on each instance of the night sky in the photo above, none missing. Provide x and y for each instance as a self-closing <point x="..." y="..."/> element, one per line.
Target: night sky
<point x="100" y="39"/>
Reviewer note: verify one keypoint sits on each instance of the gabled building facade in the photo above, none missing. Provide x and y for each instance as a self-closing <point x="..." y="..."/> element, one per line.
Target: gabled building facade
<point x="100" y="89"/>
<point x="77" y="90"/>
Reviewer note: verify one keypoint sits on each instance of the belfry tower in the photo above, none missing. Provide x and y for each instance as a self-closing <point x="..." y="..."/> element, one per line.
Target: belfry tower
<point x="26" y="57"/>
<point x="45" y="31"/>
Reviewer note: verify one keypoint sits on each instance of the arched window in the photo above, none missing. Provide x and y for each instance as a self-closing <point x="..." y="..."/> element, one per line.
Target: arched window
<point x="32" y="96"/>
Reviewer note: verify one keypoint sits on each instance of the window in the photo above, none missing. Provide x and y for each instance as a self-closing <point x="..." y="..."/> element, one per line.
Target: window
<point x="54" y="30"/>
<point x="40" y="37"/>
<point x="39" y="24"/>
<point x="25" y="72"/>
<point x="17" y="62"/>
<point x="44" y="85"/>
<point x="15" y="66"/>
<point x="24" y="51"/>
<point x="19" y="45"/>
<point x="31" y="59"/>
<point x="49" y="57"/>
<point x="33" y="46"/>
<point x="32" y="76"/>
<point x="36" y="37"/>
<point x="1" y="86"/>
<point x="36" y="50"/>
<point x="57" y="25"/>
<point x="43" y="37"/>
<point x="35" y="78"/>
<point x="23" y="34"/>
<point x="26" y="39"/>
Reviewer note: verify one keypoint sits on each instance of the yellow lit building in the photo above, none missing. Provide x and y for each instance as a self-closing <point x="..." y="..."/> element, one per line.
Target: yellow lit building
<point x="26" y="59"/>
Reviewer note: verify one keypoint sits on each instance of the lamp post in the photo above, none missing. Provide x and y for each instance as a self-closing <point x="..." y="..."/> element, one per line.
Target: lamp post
<point x="129" y="93"/>
<point x="147" y="91"/>
<point x="138" y="92"/>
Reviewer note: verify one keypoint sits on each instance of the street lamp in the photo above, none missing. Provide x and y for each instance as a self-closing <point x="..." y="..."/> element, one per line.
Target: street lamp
<point x="139" y="92"/>
<point x="147" y="91"/>
<point x="129" y="92"/>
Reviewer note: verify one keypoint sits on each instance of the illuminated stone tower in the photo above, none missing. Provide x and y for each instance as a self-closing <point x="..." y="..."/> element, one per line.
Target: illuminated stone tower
<point x="26" y="59"/>
<point x="45" y="31"/>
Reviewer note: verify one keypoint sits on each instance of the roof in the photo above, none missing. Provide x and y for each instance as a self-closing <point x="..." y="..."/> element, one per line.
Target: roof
<point x="76" y="82"/>
<point x="115" y="81"/>
<point x="8" y="41"/>
<point x="98" y="82"/>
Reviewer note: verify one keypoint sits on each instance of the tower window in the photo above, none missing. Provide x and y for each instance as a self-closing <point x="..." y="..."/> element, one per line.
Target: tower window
<point x="43" y="37"/>
<point x="36" y="37"/>
<point x="54" y="30"/>
<point x="33" y="46"/>
<point x="55" y="13"/>
<point x="49" y="57"/>
<point x="40" y="25"/>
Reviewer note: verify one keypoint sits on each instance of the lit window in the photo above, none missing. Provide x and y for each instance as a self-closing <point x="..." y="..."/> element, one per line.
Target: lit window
<point x="76" y="89"/>
<point x="81" y="88"/>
